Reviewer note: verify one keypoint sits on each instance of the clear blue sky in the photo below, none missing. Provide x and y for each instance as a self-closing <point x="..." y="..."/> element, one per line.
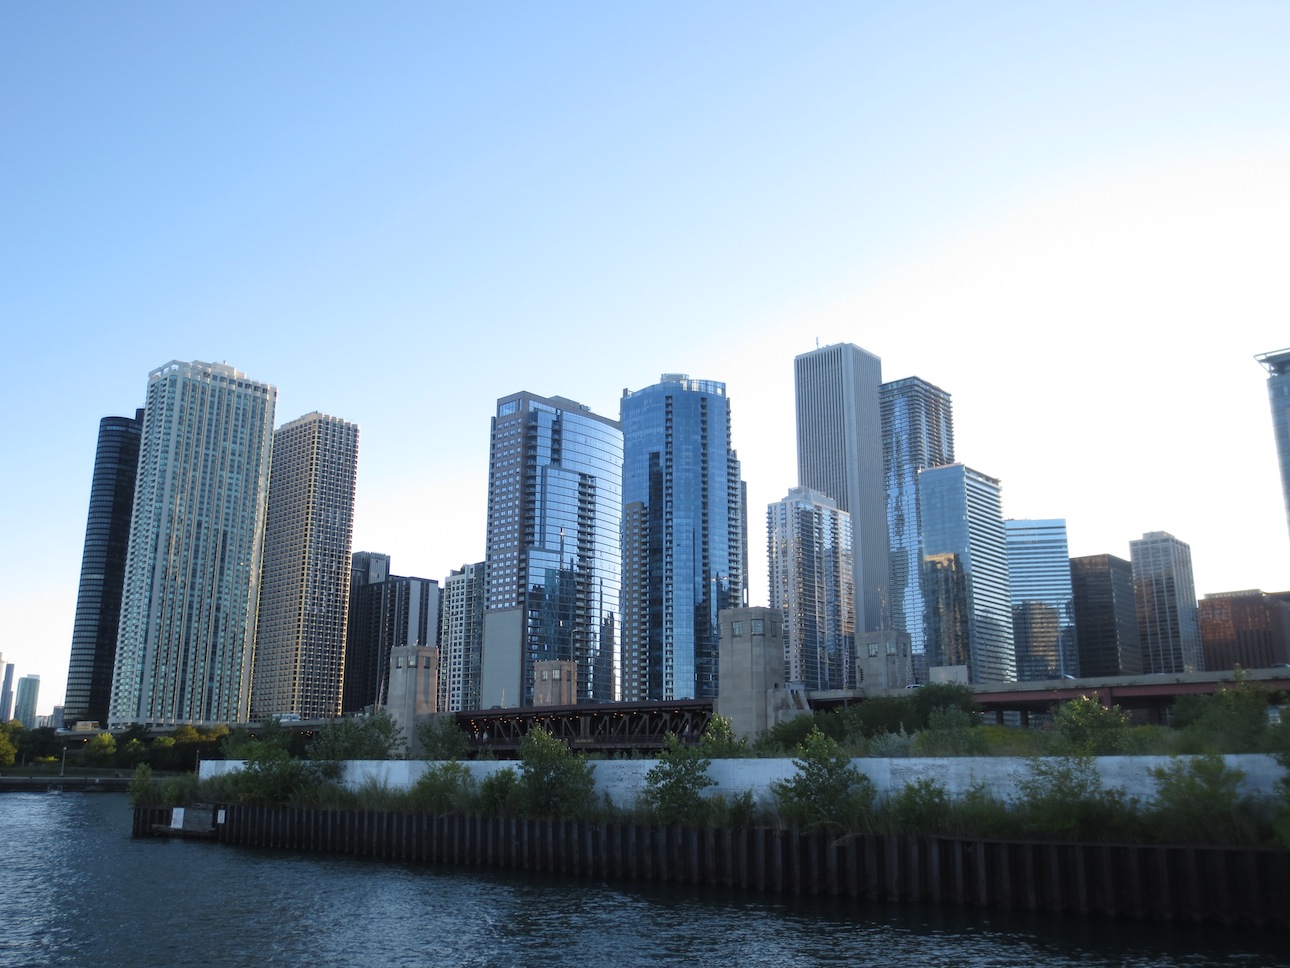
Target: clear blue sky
<point x="1075" y="217"/>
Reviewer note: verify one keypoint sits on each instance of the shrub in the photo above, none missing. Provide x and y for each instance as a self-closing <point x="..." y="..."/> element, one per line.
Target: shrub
<point x="950" y="732"/>
<point x="1084" y="727"/>
<point x="827" y="791"/>
<point x="499" y="794"/>
<point x="374" y="737"/>
<point x="441" y="738"/>
<point x="1231" y="720"/>
<point x="1198" y="801"/>
<point x="892" y="745"/>
<point x="734" y="812"/>
<point x="719" y="741"/>
<point x="921" y="807"/>
<point x="142" y="791"/>
<point x="1063" y="798"/>
<point x="676" y="783"/>
<point x="554" y="782"/>
<point x="447" y="788"/>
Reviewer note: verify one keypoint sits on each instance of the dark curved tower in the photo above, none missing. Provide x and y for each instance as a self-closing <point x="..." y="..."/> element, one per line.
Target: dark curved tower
<point x="98" y="601"/>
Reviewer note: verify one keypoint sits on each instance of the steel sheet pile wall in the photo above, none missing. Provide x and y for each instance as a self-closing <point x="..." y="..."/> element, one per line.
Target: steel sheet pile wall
<point x="1225" y="885"/>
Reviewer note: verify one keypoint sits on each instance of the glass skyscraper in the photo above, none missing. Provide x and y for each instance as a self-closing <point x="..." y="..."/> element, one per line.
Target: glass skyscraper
<point x="683" y="524"/>
<point x="1168" y="618"/>
<point x="965" y="555"/>
<point x="304" y="591"/>
<point x="552" y="565"/>
<point x="809" y="540"/>
<point x="192" y="574"/>
<point x="1043" y="610"/>
<point x="1106" y="618"/>
<point x="461" y="638"/>
<point x="1277" y="363"/>
<point x="840" y="453"/>
<point x="98" y="599"/>
<point x="917" y="433"/>
<point x="385" y="612"/>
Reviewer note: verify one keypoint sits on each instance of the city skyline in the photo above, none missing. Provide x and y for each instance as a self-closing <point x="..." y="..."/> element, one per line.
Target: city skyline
<point x="398" y="218"/>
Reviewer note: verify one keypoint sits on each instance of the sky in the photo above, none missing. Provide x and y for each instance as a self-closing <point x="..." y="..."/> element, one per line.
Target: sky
<point x="1074" y="217"/>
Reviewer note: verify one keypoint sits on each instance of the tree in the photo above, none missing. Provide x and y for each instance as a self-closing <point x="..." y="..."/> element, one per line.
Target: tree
<point x="374" y="737"/>
<point x="1084" y="727"/>
<point x="827" y="791"/>
<point x="719" y="741"/>
<point x="100" y="750"/>
<point x="8" y="752"/>
<point x="1231" y="720"/>
<point x="442" y="739"/>
<point x="554" y="782"/>
<point x="677" y="781"/>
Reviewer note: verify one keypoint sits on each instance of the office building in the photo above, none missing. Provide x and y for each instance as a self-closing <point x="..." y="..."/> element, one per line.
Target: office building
<point x="187" y="633"/>
<point x="917" y="432"/>
<point x="1106" y="617"/>
<point x="1277" y="364"/>
<point x="396" y="612"/>
<point x="24" y="703"/>
<point x="1249" y="629"/>
<point x="1165" y="594"/>
<point x="304" y="588"/>
<point x="461" y="638"/>
<point x="965" y="580"/>
<point x="840" y="453"/>
<point x="1043" y="611"/>
<point x="98" y="598"/>
<point x="811" y="577"/>
<point x="552" y="563"/>
<point x="6" y="690"/>
<point x="683" y="524"/>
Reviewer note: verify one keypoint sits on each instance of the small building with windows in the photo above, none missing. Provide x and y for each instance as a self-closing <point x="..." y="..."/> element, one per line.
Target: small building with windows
<point x="884" y="660"/>
<point x="753" y="693"/>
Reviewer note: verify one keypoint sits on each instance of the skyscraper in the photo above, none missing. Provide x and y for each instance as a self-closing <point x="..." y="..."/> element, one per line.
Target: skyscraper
<point x="917" y="432"/>
<point x="24" y="704"/>
<point x="461" y="638"/>
<point x="811" y="581"/>
<point x="1106" y="618"/>
<point x="683" y="523"/>
<point x="1165" y="593"/>
<point x="1250" y="629"/>
<point x="187" y="632"/>
<point x="6" y="690"/>
<point x="1043" y="612"/>
<point x="966" y="573"/>
<point x="840" y="453"/>
<point x="1277" y="363"/>
<point x="384" y="615"/>
<point x="552" y="560"/>
<point x="98" y="599"/>
<point x="304" y="589"/>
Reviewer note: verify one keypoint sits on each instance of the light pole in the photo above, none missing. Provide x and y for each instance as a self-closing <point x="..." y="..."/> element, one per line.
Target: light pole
<point x="62" y="770"/>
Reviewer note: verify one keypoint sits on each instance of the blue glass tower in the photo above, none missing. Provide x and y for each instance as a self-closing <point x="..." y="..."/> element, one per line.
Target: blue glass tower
<point x="1277" y="364"/>
<point x="917" y="432"/>
<point x="553" y="564"/>
<point x="682" y="536"/>
<point x="1043" y="608"/>
<point x="965" y="557"/>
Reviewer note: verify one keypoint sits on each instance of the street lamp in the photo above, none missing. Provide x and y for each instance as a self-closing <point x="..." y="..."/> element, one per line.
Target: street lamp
<point x="62" y="771"/>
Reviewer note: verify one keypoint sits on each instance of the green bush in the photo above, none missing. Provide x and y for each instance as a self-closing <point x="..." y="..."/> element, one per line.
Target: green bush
<point x="448" y="788"/>
<point x="719" y="741"/>
<point x="1084" y="727"/>
<point x="499" y="794"/>
<point x="1231" y="720"/>
<point x="1063" y="798"/>
<point x="374" y="737"/>
<point x="675" y="785"/>
<point x="142" y="791"/>
<point x="1197" y="800"/>
<point x="897" y="745"/>
<point x="440" y="738"/>
<point x="554" y="782"/>
<point x="921" y="807"/>
<point x="951" y="731"/>
<point x="827" y="791"/>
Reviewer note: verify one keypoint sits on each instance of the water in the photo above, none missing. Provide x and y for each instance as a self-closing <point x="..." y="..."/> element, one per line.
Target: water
<point x="78" y="891"/>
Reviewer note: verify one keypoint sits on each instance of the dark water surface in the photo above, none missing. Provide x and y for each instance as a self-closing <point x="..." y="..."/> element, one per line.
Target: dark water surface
<point x="78" y="891"/>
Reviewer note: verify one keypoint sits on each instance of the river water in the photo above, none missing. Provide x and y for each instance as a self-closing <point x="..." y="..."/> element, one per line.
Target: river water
<point x="77" y="890"/>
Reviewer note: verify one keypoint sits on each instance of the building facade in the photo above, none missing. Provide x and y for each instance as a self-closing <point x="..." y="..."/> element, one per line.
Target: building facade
<point x="811" y="581"/>
<point x="1165" y="594"/>
<point x="1106" y="617"/>
<point x="840" y="453"/>
<point x="1277" y="364"/>
<point x="304" y="587"/>
<point x="683" y="524"/>
<point x="1043" y="608"/>
<point x="26" y="696"/>
<point x="461" y="639"/>
<point x="6" y="690"/>
<point x="384" y="615"/>
<point x="187" y="633"/>
<point x="917" y="433"/>
<point x="552" y="562"/>
<point x="98" y="597"/>
<point x="965" y="551"/>
<point x="1250" y="629"/>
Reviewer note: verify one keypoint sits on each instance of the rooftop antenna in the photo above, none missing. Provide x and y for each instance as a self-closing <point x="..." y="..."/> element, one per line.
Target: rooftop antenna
<point x="817" y="342"/>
